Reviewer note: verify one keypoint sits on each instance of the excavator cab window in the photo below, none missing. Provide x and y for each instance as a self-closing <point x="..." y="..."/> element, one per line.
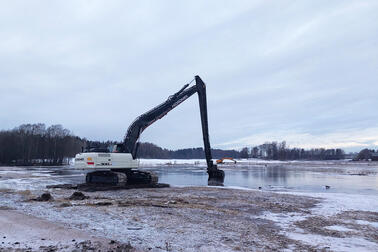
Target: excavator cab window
<point x="118" y="148"/>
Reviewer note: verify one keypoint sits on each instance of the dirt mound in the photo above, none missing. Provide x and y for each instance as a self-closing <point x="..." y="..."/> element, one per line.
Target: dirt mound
<point x="78" y="196"/>
<point x="45" y="197"/>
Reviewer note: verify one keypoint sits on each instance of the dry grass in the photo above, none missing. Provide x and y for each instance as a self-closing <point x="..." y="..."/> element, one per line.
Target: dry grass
<point x="6" y="190"/>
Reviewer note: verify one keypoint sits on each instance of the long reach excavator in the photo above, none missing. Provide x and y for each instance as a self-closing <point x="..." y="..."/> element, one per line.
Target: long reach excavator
<point x="117" y="165"/>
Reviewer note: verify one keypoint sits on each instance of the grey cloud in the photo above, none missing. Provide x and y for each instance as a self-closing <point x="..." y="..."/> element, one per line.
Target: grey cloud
<point x="308" y="68"/>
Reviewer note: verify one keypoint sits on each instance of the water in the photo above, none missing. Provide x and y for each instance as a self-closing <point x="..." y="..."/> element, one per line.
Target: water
<point x="274" y="178"/>
<point x="355" y="178"/>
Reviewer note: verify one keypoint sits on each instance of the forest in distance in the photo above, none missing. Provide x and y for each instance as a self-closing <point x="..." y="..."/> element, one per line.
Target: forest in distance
<point x="36" y="144"/>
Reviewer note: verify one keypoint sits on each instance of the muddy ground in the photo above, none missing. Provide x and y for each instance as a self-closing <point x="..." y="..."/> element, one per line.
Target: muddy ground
<point x="198" y="219"/>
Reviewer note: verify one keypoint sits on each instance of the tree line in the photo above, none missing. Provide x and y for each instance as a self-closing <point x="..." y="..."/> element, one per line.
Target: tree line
<point x="149" y="150"/>
<point x="367" y="154"/>
<point x="37" y="144"/>
<point x="280" y="151"/>
<point x="31" y="144"/>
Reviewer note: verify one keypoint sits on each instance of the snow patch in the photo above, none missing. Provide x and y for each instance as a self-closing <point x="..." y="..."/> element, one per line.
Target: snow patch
<point x="334" y="203"/>
<point x="340" y="228"/>
<point x="334" y="243"/>
<point x="363" y="222"/>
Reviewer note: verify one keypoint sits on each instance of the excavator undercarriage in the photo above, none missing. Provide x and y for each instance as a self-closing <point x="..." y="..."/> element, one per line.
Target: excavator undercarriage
<point x="121" y="177"/>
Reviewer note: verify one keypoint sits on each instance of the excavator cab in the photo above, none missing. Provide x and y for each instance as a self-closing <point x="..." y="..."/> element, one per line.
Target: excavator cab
<point x="117" y="148"/>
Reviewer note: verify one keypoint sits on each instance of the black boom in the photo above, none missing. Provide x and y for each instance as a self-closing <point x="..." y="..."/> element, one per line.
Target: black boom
<point x="143" y="121"/>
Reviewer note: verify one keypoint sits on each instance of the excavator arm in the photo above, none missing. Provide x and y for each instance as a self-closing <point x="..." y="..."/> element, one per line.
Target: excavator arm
<point x="143" y="121"/>
<point x="130" y="143"/>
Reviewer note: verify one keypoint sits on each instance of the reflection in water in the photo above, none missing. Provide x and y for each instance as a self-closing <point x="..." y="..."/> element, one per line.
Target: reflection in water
<point x="277" y="174"/>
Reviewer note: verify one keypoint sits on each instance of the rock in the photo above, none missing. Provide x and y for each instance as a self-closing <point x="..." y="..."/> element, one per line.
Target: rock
<point x="45" y="197"/>
<point x="78" y="196"/>
<point x="65" y="204"/>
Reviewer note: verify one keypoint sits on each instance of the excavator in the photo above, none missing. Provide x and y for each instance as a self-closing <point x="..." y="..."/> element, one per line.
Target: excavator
<point x="221" y="161"/>
<point x="118" y="165"/>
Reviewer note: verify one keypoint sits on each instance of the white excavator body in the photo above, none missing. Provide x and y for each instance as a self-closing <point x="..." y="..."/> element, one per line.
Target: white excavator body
<point x="100" y="161"/>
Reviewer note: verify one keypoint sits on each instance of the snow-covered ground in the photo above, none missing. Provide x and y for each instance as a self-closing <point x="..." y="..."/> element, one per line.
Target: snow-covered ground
<point x="348" y="215"/>
<point x="230" y="218"/>
<point x="212" y="219"/>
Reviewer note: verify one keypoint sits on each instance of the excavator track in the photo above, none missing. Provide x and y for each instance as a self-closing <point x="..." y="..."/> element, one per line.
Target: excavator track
<point x="121" y="177"/>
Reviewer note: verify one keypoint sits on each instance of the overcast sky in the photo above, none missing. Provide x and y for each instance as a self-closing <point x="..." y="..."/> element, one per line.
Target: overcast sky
<point x="301" y="71"/>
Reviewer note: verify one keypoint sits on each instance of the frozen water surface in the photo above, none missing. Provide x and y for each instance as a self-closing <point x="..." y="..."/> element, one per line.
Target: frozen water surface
<point x="295" y="176"/>
<point x="340" y="176"/>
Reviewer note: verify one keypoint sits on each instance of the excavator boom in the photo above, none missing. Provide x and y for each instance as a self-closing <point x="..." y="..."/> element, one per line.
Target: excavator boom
<point x="134" y="131"/>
